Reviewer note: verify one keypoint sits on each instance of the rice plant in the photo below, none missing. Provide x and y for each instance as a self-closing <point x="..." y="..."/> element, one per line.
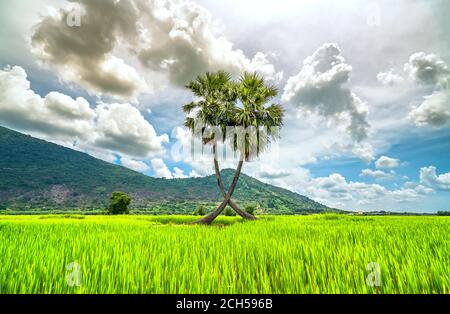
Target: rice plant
<point x="283" y="254"/>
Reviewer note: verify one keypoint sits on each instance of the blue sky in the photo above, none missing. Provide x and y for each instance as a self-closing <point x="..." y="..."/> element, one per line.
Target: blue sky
<point x="365" y="86"/>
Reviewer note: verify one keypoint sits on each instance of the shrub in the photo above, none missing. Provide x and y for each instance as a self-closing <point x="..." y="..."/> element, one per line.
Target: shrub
<point x="260" y="210"/>
<point x="201" y="211"/>
<point x="229" y="212"/>
<point x="250" y="209"/>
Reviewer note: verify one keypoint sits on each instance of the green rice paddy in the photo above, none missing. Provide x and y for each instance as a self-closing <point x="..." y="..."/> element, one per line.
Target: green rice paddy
<point x="276" y="254"/>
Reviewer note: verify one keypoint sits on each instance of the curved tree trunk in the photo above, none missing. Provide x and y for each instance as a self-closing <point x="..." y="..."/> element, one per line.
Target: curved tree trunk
<point x="210" y="218"/>
<point x="233" y="205"/>
<point x="207" y="220"/>
<point x="227" y="196"/>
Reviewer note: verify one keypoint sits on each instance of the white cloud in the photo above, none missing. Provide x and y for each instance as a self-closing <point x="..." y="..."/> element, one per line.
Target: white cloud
<point x="390" y="78"/>
<point x="194" y="174"/>
<point x="434" y="111"/>
<point x="135" y="165"/>
<point x="424" y="69"/>
<point x="122" y="128"/>
<point x="419" y="188"/>
<point x="430" y="73"/>
<point x="335" y="188"/>
<point x="273" y="172"/>
<point x="385" y="162"/>
<point x="101" y="154"/>
<point x="429" y="177"/>
<point x="363" y="151"/>
<point x="331" y="187"/>
<point x="160" y="169"/>
<point x="105" y="129"/>
<point x="378" y="174"/>
<point x="178" y="173"/>
<point x="320" y="88"/>
<point x="84" y="54"/>
<point x="56" y="114"/>
<point x="167" y="38"/>
<point x="428" y="69"/>
<point x="181" y="42"/>
<point x="261" y="64"/>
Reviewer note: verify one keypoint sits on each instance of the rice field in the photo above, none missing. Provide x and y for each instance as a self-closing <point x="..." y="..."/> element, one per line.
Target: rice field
<point x="283" y="254"/>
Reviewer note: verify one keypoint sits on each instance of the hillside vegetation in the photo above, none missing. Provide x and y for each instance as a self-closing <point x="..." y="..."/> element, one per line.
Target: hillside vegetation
<point x="36" y="174"/>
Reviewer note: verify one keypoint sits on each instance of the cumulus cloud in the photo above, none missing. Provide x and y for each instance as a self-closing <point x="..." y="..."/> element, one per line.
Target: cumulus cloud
<point x="331" y="187"/>
<point x="434" y="110"/>
<point x="432" y="74"/>
<point x="261" y="64"/>
<point x="428" y="69"/>
<point x="363" y="151"/>
<point x="84" y="54"/>
<point x="273" y="172"/>
<point x="135" y="165"/>
<point x="178" y="173"/>
<point x="429" y="177"/>
<point x="385" y="162"/>
<point x="105" y="129"/>
<point x="160" y="170"/>
<point x="122" y="128"/>
<point x="336" y="188"/>
<point x="377" y="174"/>
<point x="431" y="71"/>
<point x="98" y="153"/>
<point x="55" y="114"/>
<point x="390" y="78"/>
<point x="320" y="88"/>
<point x="180" y="41"/>
<point x="336" y="145"/>
<point x="194" y="174"/>
<point x="419" y="188"/>
<point x="169" y="37"/>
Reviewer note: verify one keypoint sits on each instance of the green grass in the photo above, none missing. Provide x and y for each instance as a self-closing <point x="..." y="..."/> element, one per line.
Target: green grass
<point x="287" y="254"/>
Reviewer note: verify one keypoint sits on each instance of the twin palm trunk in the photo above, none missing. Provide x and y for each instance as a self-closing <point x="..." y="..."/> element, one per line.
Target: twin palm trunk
<point x="227" y="196"/>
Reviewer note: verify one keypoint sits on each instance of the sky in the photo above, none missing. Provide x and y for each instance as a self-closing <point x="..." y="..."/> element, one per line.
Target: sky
<point x="365" y="86"/>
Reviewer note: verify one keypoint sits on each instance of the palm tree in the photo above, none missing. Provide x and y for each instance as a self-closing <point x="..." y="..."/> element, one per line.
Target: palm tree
<point x="222" y="104"/>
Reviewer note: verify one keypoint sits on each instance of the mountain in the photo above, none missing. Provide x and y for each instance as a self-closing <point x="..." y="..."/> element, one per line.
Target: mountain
<point x="35" y="174"/>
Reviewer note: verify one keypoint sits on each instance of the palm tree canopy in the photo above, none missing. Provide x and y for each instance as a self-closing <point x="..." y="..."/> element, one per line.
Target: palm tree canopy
<point x="243" y="105"/>
<point x="261" y="120"/>
<point x="216" y="95"/>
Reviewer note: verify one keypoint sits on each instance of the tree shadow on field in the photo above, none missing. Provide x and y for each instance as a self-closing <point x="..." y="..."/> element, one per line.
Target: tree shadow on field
<point x="187" y="221"/>
<point x="62" y="216"/>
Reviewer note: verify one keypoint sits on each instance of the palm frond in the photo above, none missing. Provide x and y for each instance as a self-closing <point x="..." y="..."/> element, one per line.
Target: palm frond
<point x="187" y="108"/>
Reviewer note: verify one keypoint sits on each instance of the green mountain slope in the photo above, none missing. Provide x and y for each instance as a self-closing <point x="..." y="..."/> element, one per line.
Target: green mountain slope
<point x="35" y="174"/>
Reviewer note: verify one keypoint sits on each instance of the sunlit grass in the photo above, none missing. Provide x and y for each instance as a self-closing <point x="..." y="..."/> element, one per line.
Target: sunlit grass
<point x="162" y="254"/>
